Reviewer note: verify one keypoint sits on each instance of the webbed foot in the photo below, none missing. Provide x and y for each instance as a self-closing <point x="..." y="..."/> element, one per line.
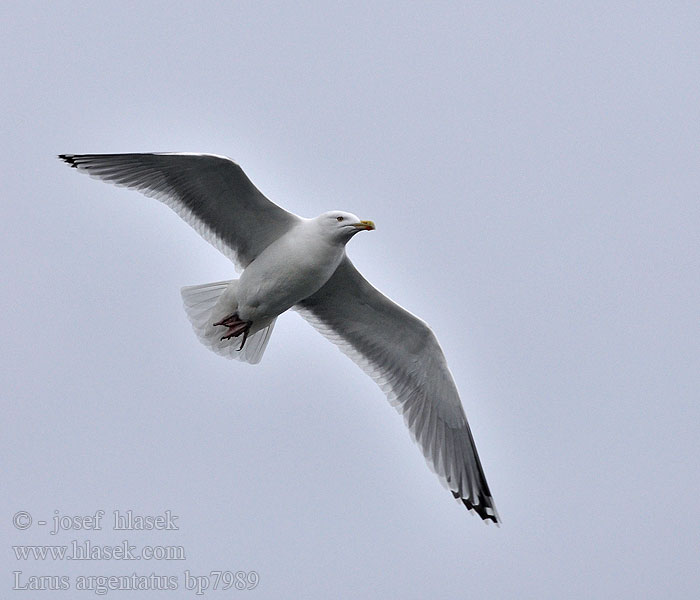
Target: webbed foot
<point x="236" y="327"/>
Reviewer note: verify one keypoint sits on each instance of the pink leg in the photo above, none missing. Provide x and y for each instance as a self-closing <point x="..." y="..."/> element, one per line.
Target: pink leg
<point x="236" y="327"/>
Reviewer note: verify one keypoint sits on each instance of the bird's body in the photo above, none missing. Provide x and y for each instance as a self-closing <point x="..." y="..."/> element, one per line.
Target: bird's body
<point x="291" y="262"/>
<point x="290" y="269"/>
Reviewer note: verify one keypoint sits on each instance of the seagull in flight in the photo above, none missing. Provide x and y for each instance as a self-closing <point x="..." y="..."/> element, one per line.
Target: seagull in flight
<point x="287" y="261"/>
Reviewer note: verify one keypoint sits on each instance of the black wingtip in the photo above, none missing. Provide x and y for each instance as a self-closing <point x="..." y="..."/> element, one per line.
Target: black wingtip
<point x="69" y="158"/>
<point x="485" y="511"/>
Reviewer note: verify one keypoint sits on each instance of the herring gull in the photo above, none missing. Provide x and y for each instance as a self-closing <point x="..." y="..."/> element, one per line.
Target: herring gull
<point x="287" y="262"/>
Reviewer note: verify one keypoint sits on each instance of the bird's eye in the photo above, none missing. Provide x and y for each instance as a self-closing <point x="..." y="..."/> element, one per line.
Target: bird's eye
<point x="339" y="219"/>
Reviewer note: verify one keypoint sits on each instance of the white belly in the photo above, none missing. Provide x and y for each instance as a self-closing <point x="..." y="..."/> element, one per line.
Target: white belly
<point x="289" y="270"/>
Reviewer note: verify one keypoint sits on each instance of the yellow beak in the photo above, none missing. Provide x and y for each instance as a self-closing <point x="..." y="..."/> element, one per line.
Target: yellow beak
<point x="367" y="225"/>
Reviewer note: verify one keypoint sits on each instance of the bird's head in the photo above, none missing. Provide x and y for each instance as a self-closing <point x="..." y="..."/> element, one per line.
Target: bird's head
<point x="343" y="225"/>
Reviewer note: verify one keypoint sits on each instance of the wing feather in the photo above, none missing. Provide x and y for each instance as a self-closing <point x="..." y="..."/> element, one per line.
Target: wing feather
<point x="211" y="193"/>
<point x="400" y="352"/>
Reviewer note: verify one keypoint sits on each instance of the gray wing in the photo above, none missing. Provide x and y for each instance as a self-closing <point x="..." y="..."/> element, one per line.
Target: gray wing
<point x="401" y="353"/>
<point x="211" y="193"/>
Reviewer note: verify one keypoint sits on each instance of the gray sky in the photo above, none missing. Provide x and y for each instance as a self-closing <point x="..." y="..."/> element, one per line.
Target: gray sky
<point x="533" y="174"/>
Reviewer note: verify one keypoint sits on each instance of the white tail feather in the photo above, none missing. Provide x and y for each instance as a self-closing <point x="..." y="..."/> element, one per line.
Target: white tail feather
<point x="207" y="304"/>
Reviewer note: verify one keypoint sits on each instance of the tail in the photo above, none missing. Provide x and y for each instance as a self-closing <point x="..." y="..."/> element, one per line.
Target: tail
<point x="209" y="303"/>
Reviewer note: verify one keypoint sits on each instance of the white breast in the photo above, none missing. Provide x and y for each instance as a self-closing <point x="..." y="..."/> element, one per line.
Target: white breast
<point x="289" y="270"/>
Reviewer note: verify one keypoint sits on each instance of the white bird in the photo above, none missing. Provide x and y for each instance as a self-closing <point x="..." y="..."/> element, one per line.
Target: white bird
<point x="291" y="262"/>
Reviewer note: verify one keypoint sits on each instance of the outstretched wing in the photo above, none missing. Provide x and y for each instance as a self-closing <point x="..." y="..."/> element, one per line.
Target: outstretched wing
<point x="211" y="193"/>
<point x="401" y="353"/>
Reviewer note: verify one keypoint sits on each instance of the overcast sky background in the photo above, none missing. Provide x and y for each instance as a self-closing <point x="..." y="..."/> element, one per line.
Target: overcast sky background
<point x="533" y="171"/>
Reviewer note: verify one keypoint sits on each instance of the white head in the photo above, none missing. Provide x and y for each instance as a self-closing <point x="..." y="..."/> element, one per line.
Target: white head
<point x="342" y="225"/>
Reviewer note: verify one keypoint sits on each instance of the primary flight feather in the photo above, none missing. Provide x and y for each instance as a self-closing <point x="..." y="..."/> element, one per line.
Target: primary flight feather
<point x="291" y="262"/>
